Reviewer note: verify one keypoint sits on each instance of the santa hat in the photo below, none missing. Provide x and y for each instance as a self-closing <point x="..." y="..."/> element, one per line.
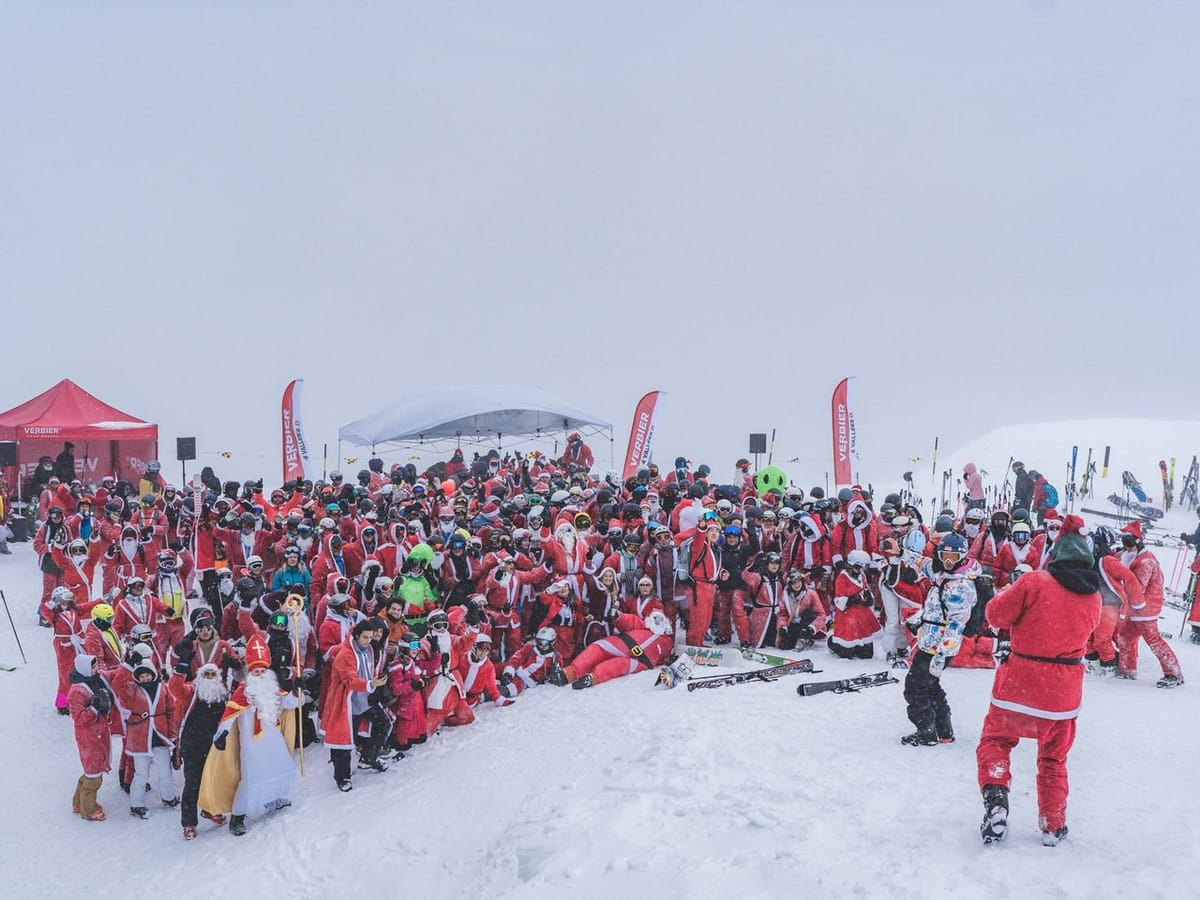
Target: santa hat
<point x="1051" y="514"/>
<point x="1071" y="546"/>
<point x="490" y="510"/>
<point x="1134" y="528"/>
<point x="258" y="655"/>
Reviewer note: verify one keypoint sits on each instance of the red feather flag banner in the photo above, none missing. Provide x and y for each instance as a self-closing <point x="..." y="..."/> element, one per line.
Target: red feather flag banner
<point x="843" y="434"/>
<point x="295" y="451"/>
<point x="641" y="434"/>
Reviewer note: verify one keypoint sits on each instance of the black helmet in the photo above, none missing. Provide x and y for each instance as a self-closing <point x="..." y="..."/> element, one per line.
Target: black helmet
<point x="364" y="476"/>
<point x="246" y="585"/>
<point x="113" y="506"/>
<point x="703" y="471"/>
<point x="246" y="520"/>
<point x="696" y="491"/>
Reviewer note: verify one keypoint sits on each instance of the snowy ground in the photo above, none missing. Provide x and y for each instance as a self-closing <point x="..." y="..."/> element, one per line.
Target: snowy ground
<point x="743" y="791"/>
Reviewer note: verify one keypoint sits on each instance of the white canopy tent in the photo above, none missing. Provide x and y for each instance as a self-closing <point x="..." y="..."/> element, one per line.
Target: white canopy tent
<point x="473" y="414"/>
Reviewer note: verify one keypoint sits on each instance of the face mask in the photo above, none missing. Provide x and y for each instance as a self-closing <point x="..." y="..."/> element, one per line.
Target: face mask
<point x="129" y="545"/>
<point x="226" y="586"/>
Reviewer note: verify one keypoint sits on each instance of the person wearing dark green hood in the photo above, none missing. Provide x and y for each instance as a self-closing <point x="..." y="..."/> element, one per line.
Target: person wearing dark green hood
<point x="1039" y="689"/>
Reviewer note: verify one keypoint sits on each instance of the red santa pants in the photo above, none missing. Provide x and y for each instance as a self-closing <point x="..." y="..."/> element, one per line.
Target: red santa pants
<point x="671" y="610"/>
<point x="64" y="655"/>
<point x="506" y="640"/>
<point x="1127" y="646"/>
<point x="731" y="606"/>
<point x="49" y="583"/>
<point x="1002" y="729"/>
<point x="603" y="664"/>
<point x="700" y="614"/>
<point x="1103" y="639"/>
<point x="454" y="711"/>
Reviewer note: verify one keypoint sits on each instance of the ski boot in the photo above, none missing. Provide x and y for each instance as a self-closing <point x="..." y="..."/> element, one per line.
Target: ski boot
<point x="898" y="660"/>
<point x="237" y="825"/>
<point x="1128" y="676"/>
<point x="279" y="804"/>
<point x="189" y="832"/>
<point x="583" y="682"/>
<point x="63" y="710"/>
<point x="372" y="762"/>
<point x="1169" y="681"/>
<point x="139" y="812"/>
<point x="557" y="677"/>
<point x="920" y="739"/>
<point x="172" y="803"/>
<point x="344" y="785"/>
<point x="218" y="820"/>
<point x="1194" y="637"/>
<point x="1052" y="838"/>
<point x="995" y="813"/>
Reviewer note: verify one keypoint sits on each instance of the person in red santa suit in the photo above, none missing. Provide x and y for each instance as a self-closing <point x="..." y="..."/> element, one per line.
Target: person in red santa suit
<point x="604" y="595"/>
<point x="855" y="626"/>
<point x="532" y="664"/>
<point x="577" y="454"/>
<point x="569" y="558"/>
<point x="406" y="681"/>
<point x="1018" y="550"/>
<point x="557" y="607"/>
<point x="802" y="615"/>
<point x="68" y="618"/>
<point x="660" y="566"/>
<point x="704" y="568"/>
<point x="1142" y="620"/>
<point x="202" y="645"/>
<point x="764" y="593"/>
<point x="127" y="558"/>
<point x="504" y="589"/>
<point x="250" y="766"/>
<point x="637" y="646"/>
<point x="805" y="546"/>
<point x="1038" y="689"/>
<point x="150" y="732"/>
<point x="168" y="585"/>
<point x="101" y="641"/>
<point x="444" y="695"/>
<point x="54" y="532"/>
<point x="136" y="606"/>
<point x="644" y="601"/>
<point x="91" y="705"/>
<point x="1119" y="590"/>
<point x="477" y="674"/>
<point x="150" y="522"/>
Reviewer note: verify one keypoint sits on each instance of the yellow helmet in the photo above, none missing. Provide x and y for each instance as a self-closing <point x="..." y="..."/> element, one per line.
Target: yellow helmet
<point x="103" y="611"/>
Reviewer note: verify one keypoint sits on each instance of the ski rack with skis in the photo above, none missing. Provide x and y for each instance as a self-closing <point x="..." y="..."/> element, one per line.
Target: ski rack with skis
<point x="771" y="674"/>
<point x="847" y="685"/>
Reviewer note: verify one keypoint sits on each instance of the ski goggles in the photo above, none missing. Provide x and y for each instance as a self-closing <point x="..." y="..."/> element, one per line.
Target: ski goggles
<point x="950" y="558"/>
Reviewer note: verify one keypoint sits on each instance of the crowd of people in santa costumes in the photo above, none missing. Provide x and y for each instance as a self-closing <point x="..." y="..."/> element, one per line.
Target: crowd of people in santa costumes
<point x="371" y="615"/>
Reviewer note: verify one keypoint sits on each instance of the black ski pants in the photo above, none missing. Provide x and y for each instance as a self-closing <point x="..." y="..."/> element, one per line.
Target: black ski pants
<point x="927" y="706"/>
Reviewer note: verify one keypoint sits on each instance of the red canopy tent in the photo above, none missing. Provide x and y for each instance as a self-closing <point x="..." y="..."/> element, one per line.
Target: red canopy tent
<point x="107" y="441"/>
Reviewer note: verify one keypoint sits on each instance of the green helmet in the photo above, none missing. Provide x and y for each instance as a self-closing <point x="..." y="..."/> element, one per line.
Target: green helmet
<point x="422" y="552"/>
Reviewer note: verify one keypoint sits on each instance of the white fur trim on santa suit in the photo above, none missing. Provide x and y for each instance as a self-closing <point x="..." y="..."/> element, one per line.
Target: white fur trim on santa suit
<point x="1034" y="711"/>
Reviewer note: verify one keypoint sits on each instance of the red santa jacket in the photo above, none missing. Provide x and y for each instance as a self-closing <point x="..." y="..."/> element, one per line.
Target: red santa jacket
<point x="79" y="577"/>
<point x="1149" y="574"/>
<point x="147" y="717"/>
<point x="93" y="732"/>
<point x="1011" y="556"/>
<point x="1045" y="621"/>
<point x="479" y="681"/>
<point x="106" y="646"/>
<point x="148" y="610"/>
<point x="344" y="679"/>
<point x="529" y="666"/>
<point x="1119" y="586"/>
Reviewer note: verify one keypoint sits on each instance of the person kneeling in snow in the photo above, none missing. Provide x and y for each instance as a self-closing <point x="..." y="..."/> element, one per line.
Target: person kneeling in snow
<point x="640" y="644"/>
<point x="532" y="664"/>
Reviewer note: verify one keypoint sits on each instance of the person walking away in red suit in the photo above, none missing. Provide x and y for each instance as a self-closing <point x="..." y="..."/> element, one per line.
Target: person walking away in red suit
<point x="1142" y="621"/>
<point x="1038" y="689"/>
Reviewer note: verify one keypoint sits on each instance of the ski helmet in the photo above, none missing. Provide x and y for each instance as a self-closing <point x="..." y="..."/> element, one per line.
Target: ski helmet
<point x="658" y="623"/>
<point x="858" y="558"/>
<point x="543" y="641"/>
<point x="952" y="551"/>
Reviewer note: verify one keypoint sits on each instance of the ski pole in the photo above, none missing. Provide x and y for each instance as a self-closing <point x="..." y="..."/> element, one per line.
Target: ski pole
<point x="14" y="628"/>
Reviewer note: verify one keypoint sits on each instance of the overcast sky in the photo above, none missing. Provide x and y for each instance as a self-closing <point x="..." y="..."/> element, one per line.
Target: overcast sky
<point x="987" y="212"/>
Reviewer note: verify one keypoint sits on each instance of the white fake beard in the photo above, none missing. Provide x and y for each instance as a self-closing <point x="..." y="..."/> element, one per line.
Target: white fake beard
<point x="128" y="547"/>
<point x="226" y="586"/>
<point x="263" y="692"/>
<point x="211" y="690"/>
<point x="568" y="541"/>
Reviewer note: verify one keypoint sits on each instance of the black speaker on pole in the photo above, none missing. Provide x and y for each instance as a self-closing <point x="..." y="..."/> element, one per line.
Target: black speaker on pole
<point x="8" y="453"/>
<point x="185" y="449"/>
<point x="758" y="443"/>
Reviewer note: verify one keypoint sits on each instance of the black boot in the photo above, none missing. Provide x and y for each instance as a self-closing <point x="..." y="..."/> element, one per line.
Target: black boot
<point x="584" y="682"/>
<point x="995" y="813"/>
<point x="557" y="677"/>
<point x="1052" y="838"/>
<point x="920" y="739"/>
<point x="237" y="825"/>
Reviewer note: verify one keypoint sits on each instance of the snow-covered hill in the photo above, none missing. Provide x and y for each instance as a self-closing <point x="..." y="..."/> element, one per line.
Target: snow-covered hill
<point x="628" y="790"/>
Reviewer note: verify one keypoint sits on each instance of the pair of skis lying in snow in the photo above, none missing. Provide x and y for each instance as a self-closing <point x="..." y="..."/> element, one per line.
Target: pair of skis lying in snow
<point x="680" y="671"/>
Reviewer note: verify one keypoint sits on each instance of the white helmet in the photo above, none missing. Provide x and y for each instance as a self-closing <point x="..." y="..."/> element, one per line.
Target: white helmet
<point x="786" y="513"/>
<point x="61" y="595"/>
<point x="545" y="639"/>
<point x="559" y="497"/>
<point x="658" y="623"/>
<point x="145" y="651"/>
<point x="858" y="558"/>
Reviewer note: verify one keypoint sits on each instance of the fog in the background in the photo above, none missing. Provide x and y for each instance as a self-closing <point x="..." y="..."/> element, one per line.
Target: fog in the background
<point x="986" y="212"/>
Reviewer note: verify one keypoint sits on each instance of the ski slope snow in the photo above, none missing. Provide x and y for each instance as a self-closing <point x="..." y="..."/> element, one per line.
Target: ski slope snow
<point x="626" y="789"/>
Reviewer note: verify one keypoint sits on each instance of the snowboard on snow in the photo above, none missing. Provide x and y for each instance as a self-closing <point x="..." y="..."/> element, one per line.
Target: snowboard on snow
<point x="705" y="656"/>
<point x="1134" y="486"/>
<point x="771" y="674"/>
<point x="846" y="685"/>
<point x="769" y="659"/>
<point x="1134" y="506"/>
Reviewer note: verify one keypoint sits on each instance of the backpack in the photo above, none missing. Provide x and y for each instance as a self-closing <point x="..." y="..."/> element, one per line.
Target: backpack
<point x="1051" y="494"/>
<point x="683" y="557"/>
